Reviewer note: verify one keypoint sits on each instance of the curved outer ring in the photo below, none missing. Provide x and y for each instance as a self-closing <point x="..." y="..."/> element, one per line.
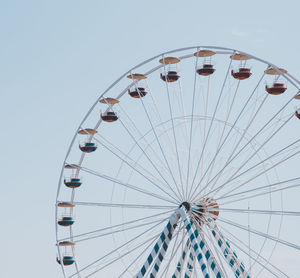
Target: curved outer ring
<point x="219" y="50"/>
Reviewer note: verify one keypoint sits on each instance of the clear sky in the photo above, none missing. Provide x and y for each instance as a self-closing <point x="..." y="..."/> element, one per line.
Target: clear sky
<point x="55" y="59"/>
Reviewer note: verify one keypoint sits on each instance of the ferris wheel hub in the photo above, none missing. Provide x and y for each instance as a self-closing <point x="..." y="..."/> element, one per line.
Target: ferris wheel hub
<point x="186" y="205"/>
<point x="206" y="209"/>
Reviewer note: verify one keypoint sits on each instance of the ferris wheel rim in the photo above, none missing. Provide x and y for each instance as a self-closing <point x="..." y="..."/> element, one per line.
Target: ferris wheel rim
<point x="287" y="76"/>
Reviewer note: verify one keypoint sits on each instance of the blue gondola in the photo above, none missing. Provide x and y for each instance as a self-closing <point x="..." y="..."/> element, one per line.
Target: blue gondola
<point x="67" y="260"/>
<point x="88" y="147"/>
<point x="73" y="182"/>
<point x="66" y="221"/>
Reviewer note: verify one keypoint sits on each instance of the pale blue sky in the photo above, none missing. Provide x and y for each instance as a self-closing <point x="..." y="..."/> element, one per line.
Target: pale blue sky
<point x="55" y="59"/>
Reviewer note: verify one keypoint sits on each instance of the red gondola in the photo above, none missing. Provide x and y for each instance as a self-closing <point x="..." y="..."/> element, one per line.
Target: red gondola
<point x="206" y="70"/>
<point x="276" y="88"/>
<point x="109" y="116"/>
<point x="171" y="76"/>
<point x="138" y="92"/>
<point x="242" y="73"/>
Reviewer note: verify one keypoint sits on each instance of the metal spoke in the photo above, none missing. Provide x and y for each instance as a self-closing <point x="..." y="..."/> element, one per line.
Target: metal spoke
<point x="152" y="127"/>
<point x="121" y="256"/>
<point x="116" y="226"/>
<point x="171" y="143"/>
<point x="126" y="155"/>
<point x="240" y="140"/>
<point x="261" y="173"/>
<point x="120" y="205"/>
<point x="253" y="137"/>
<point x="134" y="168"/>
<point x="261" y="146"/>
<point x="246" y="252"/>
<point x="146" y="155"/>
<point x="221" y="137"/>
<point x="258" y="211"/>
<point x="173" y="129"/>
<point x="143" y="137"/>
<point x="127" y="185"/>
<point x="264" y="235"/>
<point x="192" y="121"/>
<point x="138" y="256"/>
<point x="209" y="129"/>
<point x="118" y="248"/>
<point x="121" y="230"/>
<point x="265" y="187"/>
<point x="231" y="129"/>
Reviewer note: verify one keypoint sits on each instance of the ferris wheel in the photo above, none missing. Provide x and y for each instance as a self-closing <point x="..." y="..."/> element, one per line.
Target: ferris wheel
<point x="186" y="166"/>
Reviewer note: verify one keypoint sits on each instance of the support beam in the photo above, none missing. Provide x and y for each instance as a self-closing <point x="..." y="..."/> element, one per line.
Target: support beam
<point x="189" y="266"/>
<point x="163" y="250"/>
<point x="230" y="256"/>
<point x="164" y="235"/>
<point x="189" y="225"/>
<point x="195" y="241"/>
<point x="182" y="260"/>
